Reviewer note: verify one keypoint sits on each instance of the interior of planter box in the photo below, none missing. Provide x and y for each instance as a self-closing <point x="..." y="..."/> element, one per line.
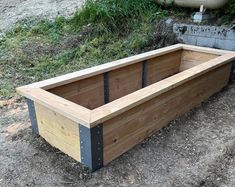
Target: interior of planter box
<point x="100" y="89"/>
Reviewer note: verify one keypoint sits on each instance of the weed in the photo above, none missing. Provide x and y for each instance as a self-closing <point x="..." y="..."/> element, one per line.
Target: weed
<point x="102" y="31"/>
<point x="227" y="13"/>
<point x="113" y="14"/>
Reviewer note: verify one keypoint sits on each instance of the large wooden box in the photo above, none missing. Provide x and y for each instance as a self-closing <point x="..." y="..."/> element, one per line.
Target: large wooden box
<point x="97" y="114"/>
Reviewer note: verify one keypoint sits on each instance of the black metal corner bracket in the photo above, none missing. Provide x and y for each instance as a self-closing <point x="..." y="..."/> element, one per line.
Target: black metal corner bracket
<point x="32" y="115"/>
<point x="91" y="145"/>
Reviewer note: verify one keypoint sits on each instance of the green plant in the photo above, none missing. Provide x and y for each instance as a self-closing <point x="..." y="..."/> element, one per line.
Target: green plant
<point x="227" y="13"/>
<point x="113" y="14"/>
<point x="102" y="31"/>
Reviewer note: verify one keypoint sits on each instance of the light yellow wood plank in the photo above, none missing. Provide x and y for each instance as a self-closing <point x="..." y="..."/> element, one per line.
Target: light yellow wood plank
<point x="206" y="49"/>
<point x="193" y="58"/>
<point x="189" y="64"/>
<point x="59" y="131"/>
<point x="58" y="104"/>
<point x="190" y="55"/>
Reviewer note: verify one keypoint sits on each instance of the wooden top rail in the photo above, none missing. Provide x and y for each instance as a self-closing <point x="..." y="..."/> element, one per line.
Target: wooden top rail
<point x="78" y="75"/>
<point x="67" y="108"/>
<point x="91" y="118"/>
<point x="127" y="102"/>
<point x="205" y="49"/>
<point x="89" y="72"/>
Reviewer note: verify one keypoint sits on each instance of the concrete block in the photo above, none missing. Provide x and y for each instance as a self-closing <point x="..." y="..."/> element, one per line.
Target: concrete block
<point x="206" y="36"/>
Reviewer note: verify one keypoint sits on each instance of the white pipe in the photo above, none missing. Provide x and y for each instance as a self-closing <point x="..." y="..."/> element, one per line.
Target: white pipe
<point x="210" y="4"/>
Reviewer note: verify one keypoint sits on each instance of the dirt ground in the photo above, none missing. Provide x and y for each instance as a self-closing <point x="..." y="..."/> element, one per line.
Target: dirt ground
<point x="198" y="149"/>
<point x="12" y="11"/>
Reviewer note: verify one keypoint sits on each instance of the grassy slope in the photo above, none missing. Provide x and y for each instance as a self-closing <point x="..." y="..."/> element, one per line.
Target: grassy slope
<point x="104" y="30"/>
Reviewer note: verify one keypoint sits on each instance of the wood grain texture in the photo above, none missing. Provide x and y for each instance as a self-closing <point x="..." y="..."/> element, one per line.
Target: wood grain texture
<point x="59" y="131"/>
<point x="58" y="104"/>
<point x="124" y="81"/>
<point x="90" y="118"/>
<point x="89" y="72"/>
<point x="127" y="102"/>
<point x="88" y="92"/>
<point x="128" y="129"/>
<point x="134" y="113"/>
<point x="163" y="66"/>
<point x="206" y="49"/>
<point x="189" y="55"/>
<point x="100" y="69"/>
<point x="191" y="58"/>
<point x="188" y="64"/>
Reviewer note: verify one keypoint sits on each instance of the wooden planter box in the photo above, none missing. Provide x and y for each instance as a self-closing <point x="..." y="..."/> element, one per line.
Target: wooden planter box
<point x="97" y="114"/>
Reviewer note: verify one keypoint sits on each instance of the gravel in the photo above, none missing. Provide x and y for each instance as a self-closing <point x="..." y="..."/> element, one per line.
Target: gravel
<point x="13" y="11"/>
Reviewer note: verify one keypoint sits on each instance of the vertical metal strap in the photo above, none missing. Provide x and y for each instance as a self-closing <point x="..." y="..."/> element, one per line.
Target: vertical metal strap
<point x="106" y="87"/>
<point x="97" y="146"/>
<point x="144" y="74"/>
<point x="32" y="116"/>
<point x="91" y="145"/>
<point x="232" y="73"/>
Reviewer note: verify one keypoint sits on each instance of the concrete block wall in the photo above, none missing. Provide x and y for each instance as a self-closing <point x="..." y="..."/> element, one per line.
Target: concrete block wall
<point x="206" y="36"/>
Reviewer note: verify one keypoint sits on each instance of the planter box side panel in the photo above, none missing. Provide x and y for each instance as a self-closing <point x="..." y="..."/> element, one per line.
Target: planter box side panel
<point x="59" y="131"/>
<point x="98" y="90"/>
<point x="192" y="58"/>
<point x="124" y="81"/>
<point x="130" y="128"/>
<point x="163" y="66"/>
<point x="88" y="92"/>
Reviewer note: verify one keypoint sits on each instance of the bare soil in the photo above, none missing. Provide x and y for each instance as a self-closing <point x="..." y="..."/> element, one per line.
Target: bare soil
<point x="197" y="149"/>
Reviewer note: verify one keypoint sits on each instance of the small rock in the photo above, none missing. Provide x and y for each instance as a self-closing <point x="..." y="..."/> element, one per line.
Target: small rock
<point x="169" y="21"/>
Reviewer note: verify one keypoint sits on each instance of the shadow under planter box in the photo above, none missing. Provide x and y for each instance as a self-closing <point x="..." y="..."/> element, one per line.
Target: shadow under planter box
<point x="97" y="114"/>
